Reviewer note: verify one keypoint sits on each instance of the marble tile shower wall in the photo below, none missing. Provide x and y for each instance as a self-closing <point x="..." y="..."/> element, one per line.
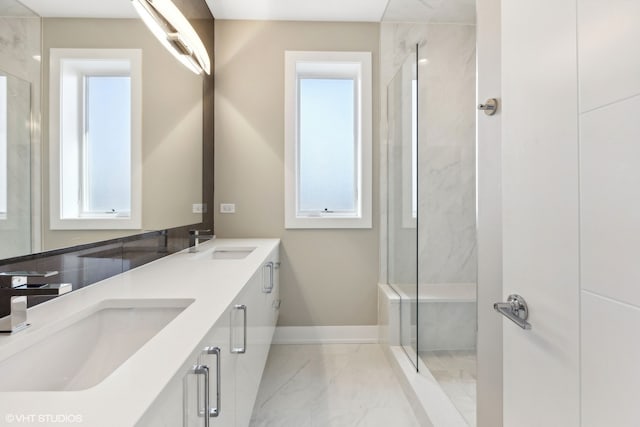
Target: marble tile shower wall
<point x="20" y="47"/>
<point x="446" y="97"/>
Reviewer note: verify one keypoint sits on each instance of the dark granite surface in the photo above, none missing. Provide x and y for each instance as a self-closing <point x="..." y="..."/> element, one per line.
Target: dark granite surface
<point x="86" y="264"/>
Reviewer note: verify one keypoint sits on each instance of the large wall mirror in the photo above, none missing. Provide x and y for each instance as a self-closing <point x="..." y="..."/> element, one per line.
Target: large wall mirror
<point x="175" y="122"/>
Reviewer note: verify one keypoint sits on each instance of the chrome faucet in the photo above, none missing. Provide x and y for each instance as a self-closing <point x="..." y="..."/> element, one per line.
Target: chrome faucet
<point x="196" y="237"/>
<point x="15" y="287"/>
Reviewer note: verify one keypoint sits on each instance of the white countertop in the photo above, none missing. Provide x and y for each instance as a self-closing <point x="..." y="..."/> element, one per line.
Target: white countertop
<point x="122" y="398"/>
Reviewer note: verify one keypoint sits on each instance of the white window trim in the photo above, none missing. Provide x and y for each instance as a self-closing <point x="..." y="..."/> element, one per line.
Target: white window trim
<point x="112" y="222"/>
<point x="332" y="220"/>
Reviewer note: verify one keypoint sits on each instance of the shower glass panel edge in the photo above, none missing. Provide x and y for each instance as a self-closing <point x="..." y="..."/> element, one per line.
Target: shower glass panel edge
<point x="402" y="228"/>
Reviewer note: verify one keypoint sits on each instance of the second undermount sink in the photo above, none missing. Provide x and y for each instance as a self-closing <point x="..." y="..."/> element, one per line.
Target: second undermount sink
<point x="89" y="349"/>
<point x="232" y="252"/>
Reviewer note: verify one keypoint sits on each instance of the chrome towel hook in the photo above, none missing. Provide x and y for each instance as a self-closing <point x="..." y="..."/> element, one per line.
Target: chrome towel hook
<point x="490" y="107"/>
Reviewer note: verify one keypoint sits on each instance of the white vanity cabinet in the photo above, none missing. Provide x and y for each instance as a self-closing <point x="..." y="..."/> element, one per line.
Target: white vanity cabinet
<point x="182" y="402"/>
<point x="238" y="342"/>
<point x="262" y="312"/>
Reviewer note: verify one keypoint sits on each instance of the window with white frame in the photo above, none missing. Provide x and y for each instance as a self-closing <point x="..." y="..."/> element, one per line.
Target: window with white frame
<point x="95" y="138"/>
<point x="328" y="139"/>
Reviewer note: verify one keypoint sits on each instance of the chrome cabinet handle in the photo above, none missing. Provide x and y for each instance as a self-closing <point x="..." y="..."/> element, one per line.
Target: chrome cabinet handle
<point x="213" y="412"/>
<point x="243" y="349"/>
<point x="515" y="309"/>
<point x="268" y="289"/>
<point x="204" y="371"/>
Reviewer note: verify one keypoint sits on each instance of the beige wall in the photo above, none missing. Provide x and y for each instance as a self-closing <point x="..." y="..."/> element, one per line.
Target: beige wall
<point x="328" y="277"/>
<point x="171" y="128"/>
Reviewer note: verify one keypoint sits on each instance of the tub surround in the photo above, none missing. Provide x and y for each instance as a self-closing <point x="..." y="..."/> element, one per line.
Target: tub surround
<point x="212" y="284"/>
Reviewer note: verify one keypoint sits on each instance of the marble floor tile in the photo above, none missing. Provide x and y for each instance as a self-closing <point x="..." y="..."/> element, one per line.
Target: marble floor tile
<point x="455" y="371"/>
<point x="333" y="385"/>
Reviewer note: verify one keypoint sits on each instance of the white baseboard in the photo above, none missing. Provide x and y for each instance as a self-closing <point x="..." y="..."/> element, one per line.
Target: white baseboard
<point x="326" y="335"/>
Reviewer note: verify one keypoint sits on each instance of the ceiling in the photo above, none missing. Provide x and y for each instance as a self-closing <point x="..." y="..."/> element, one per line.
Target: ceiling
<point x="459" y="11"/>
<point x="299" y="10"/>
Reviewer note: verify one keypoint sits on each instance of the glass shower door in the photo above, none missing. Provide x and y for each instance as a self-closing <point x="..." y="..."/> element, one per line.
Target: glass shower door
<point x="402" y="209"/>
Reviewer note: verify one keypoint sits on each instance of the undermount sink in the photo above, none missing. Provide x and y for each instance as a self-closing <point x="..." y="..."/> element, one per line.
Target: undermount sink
<point x="89" y="349"/>
<point x="232" y="252"/>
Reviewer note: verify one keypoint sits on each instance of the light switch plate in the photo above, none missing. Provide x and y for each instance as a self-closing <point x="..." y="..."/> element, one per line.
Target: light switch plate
<point x="199" y="208"/>
<point x="227" y="208"/>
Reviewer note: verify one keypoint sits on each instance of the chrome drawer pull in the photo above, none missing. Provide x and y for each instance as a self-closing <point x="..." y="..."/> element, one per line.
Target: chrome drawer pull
<point x="243" y="349"/>
<point x="269" y="288"/>
<point x="213" y="412"/>
<point x="204" y="371"/>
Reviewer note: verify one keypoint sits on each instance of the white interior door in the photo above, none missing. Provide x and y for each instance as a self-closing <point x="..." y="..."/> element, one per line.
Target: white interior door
<point x="489" y="217"/>
<point x="540" y="179"/>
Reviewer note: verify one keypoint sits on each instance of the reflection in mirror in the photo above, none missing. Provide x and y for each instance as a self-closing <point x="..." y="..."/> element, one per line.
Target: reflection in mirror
<point x="15" y="147"/>
<point x="3" y="147"/>
<point x="175" y="126"/>
<point x="94" y="139"/>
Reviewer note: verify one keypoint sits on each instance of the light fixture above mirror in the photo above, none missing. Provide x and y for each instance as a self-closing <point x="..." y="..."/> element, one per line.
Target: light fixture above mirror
<point x="175" y="33"/>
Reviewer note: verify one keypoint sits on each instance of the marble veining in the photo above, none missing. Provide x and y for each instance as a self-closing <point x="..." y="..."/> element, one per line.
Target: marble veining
<point x="446" y="170"/>
<point x="338" y="385"/>
<point x="446" y="151"/>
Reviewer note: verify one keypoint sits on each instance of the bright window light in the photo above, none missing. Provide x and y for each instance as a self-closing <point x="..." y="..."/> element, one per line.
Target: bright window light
<point x="106" y="178"/>
<point x="327" y="154"/>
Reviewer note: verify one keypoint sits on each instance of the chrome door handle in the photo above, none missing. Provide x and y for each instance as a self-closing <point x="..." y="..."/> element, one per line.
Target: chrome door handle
<point x="515" y="309"/>
<point x="243" y="349"/>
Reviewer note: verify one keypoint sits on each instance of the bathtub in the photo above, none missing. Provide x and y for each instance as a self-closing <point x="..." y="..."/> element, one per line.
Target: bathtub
<point x="446" y="321"/>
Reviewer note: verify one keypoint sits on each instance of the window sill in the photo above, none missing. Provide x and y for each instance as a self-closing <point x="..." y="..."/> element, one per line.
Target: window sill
<point x="311" y="222"/>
